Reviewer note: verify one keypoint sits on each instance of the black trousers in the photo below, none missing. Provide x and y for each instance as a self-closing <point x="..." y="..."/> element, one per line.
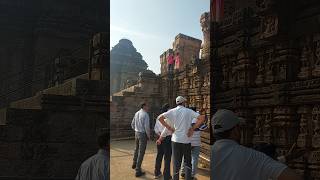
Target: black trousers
<point x="180" y="150"/>
<point x="164" y="150"/>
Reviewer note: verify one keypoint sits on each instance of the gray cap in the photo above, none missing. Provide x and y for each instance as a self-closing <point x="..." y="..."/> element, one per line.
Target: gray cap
<point x="180" y="99"/>
<point x="224" y="120"/>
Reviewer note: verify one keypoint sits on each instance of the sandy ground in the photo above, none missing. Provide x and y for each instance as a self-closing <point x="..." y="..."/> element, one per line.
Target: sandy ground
<point x="121" y="161"/>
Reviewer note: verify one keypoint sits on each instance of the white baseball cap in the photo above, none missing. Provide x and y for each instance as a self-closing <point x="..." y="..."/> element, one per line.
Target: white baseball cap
<point x="180" y="99"/>
<point x="224" y="120"/>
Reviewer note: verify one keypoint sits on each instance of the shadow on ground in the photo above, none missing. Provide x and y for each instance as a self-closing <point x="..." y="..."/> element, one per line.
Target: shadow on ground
<point x="121" y="161"/>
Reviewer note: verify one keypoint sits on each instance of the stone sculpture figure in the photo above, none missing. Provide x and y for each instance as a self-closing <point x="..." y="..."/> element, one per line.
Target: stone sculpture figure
<point x="316" y="126"/>
<point x="316" y="70"/>
<point x="305" y="71"/>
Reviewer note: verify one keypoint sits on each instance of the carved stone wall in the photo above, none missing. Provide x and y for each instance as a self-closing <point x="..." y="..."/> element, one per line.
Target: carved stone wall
<point x="125" y="104"/>
<point x="266" y="70"/>
<point x="193" y="80"/>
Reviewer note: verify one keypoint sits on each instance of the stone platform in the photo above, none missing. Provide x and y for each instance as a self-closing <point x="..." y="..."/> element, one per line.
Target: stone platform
<point x="121" y="161"/>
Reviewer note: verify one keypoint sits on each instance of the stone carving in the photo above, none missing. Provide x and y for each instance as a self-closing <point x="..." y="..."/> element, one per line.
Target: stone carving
<point x="316" y="70"/>
<point x="286" y="69"/>
<point x="267" y="125"/>
<point x="205" y="24"/>
<point x="305" y="69"/>
<point x="263" y="5"/>
<point x="304" y="136"/>
<point x="269" y="26"/>
<point x="316" y="126"/>
<point x="261" y="69"/>
<point x="269" y="72"/>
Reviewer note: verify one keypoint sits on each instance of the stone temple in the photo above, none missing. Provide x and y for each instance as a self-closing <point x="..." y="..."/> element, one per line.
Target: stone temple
<point x="191" y="80"/>
<point x="265" y="67"/>
<point x="125" y="63"/>
<point x="261" y="61"/>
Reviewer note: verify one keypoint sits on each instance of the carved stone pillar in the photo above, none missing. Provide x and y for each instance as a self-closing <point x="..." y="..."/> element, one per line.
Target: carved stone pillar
<point x="304" y="136"/>
<point x="259" y="123"/>
<point x="316" y="64"/>
<point x="261" y="69"/>
<point x="305" y="68"/>
<point x="267" y="128"/>
<point x="285" y="126"/>
<point x="316" y="126"/>
<point x="314" y="158"/>
<point x="244" y="70"/>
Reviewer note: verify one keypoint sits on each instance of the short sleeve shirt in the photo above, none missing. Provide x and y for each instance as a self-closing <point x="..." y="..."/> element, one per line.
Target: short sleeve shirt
<point x="231" y="161"/>
<point x="181" y="119"/>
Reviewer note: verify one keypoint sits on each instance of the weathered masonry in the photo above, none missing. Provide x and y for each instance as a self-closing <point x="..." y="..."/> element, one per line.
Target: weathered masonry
<point x="265" y="67"/>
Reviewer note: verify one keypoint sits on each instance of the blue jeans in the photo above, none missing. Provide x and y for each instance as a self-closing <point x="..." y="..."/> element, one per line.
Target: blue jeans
<point x="195" y="151"/>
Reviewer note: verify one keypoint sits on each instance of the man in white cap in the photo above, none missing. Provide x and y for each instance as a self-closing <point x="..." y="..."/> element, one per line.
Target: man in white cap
<point x="231" y="161"/>
<point x="181" y="118"/>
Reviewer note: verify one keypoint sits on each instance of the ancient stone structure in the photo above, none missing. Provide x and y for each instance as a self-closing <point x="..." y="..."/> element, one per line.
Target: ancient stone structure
<point x="125" y="65"/>
<point x="39" y="32"/>
<point x="265" y="68"/>
<point x="192" y="80"/>
<point x="125" y="103"/>
<point x="50" y="134"/>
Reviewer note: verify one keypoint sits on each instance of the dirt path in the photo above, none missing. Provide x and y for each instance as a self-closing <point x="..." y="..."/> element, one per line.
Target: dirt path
<point x="121" y="161"/>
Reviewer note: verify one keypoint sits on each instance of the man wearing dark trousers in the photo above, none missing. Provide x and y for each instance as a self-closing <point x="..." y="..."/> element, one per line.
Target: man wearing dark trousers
<point x="181" y="118"/>
<point x="141" y="124"/>
<point x="163" y="149"/>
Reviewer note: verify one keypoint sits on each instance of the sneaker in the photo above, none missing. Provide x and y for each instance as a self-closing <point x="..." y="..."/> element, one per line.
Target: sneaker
<point x="157" y="176"/>
<point x="133" y="166"/>
<point x="138" y="174"/>
<point x="193" y="178"/>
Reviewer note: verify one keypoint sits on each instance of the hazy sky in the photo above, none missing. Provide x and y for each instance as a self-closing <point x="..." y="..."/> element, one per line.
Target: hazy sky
<point x="152" y="25"/>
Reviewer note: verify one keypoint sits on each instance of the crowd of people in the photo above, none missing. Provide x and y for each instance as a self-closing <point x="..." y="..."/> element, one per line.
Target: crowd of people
<point x="178" y="133"/>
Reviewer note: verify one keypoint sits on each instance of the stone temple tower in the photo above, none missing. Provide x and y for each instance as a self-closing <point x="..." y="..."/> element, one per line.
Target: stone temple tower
<point x="125" y="65"/>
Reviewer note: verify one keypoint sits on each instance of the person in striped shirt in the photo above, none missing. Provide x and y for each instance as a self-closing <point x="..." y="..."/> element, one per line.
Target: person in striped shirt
<point x="195" y="148"/>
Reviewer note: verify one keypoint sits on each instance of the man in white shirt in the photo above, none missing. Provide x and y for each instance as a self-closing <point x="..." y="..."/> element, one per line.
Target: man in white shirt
<point x="181" y="118"/>
<point x="141" y="124"/>
<point x="231" y="161"/>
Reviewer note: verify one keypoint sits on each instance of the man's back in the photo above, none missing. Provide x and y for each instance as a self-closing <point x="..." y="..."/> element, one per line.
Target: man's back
<point x="181" y="118"/>
<point x="95" y="167"/>
<point x="231" y="161"/>
<point x="141" y="122"/>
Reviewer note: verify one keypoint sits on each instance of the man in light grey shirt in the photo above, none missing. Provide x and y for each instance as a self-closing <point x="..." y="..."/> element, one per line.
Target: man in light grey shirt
<point x="231" y="161"/>
<point x="141" y="125"/>
<point x="97" y="166"/>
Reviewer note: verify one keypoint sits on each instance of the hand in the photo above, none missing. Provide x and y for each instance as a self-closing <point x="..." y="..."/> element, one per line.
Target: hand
<point x="190" y="132"/>
<point x="171" y="129"/>
<point x="158" y="141"/>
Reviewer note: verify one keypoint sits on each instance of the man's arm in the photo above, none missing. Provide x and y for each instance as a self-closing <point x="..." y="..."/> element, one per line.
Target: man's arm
<point x="200" y="120"/>
<point x="289" y="174"/>
<point x="133" y="122"/>
<point x="165" y="124"/>
<point x="147" y="125"/>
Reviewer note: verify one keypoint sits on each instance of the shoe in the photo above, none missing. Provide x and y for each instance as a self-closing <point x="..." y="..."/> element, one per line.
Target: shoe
<point x="138" y="174"/>
<point x="157" y="176"/>
<point x="133" y="166"/>
<point x="193" y="178"/>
